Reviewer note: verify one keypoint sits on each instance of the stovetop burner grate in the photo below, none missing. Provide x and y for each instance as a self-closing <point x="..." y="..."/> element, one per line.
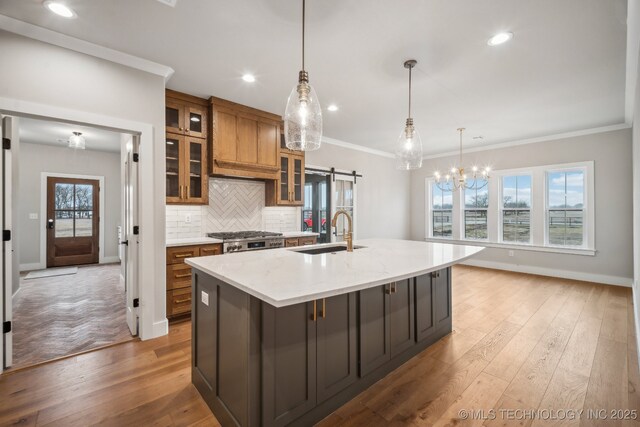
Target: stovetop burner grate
<point x="235" y="235"/>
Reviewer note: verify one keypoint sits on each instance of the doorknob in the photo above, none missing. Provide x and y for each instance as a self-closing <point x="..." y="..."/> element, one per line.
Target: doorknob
<point x="125" y="242"/>
<point x="50" y="224"/>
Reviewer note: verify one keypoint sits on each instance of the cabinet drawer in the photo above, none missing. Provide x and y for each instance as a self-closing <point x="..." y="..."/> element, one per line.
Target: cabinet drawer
<point x="288" y="243"/>
<point x="178" y="276"/>
<point x="179" y="301"/>
<point x="208" y="250"/>
<point x="178" y="254"/>
<point x="304" y="241"/>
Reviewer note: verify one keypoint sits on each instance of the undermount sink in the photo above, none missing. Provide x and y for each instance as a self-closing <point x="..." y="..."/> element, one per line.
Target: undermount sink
<point x="325" y="249"/>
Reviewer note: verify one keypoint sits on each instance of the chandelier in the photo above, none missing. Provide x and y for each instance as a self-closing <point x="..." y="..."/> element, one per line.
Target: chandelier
<point x="458" y="179"/>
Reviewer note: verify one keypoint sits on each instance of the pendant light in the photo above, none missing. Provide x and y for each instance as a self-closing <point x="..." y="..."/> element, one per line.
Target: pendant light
<point x="409" y="145"/>
<point x="77" y="141"/>
<point x="303" y="115"/>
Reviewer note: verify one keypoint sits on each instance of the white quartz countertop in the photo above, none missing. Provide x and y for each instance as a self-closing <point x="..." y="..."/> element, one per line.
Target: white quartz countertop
<point x="192" y="241"/>
<point x="293" y="234"/>
<point x="283" y="277"/>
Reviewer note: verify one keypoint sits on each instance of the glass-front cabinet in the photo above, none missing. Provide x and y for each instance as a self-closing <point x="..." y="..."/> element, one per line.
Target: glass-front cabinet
<point x="291" y="180"/>
<point x="186" y="170"/>
<point x="185" y="119"/>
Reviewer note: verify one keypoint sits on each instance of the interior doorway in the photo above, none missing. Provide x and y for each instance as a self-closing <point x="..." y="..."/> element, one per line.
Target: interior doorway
<point x="74" y="190"/>
<point x="73" y="208"/>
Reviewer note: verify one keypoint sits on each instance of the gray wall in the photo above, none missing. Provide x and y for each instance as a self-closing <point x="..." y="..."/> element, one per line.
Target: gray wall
<point x="382" y="193"/>
<point x="50" y="75"/>
<point x="636" y="206"/>
<point x="611" y="152"/>
<point x="37" y="158"/>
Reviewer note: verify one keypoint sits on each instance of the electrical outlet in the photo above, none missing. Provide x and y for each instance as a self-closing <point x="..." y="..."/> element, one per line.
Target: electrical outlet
<point x="510" y="253"/>
<point x="33" y="216"/>
<point x="204" y="298"/>
<point x="187" y="218"/>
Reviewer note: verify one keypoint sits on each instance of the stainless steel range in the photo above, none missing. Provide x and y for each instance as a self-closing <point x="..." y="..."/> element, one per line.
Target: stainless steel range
<point x="240" y="241"/>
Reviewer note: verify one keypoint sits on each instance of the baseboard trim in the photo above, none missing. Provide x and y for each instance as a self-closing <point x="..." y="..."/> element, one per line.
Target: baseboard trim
<point x="159" y="329"/>
<point x="32" y="266"/>
<point x="563" y="274"/>
<point x="15" y="293"/>
<point x="110" y="259"/>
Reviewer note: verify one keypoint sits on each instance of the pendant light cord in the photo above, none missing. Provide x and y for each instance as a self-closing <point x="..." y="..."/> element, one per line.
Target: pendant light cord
<point x="303" y="14"/>
<point x="410" y="68"/>
<point x="460" y="148"/>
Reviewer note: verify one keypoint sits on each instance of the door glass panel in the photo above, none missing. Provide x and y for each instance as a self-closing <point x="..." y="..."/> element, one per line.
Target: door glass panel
<point x="195" y="170"/>
<point x="172" y="117"/>
<point x="297" y="179"/>
<point x="64" y="223"/>
<point x="173" y="168"/>
<point x="284" y="178"/>
<point x="64" y="196"/>
<point x="84" y="223"/>
<point x="84" y="197"/>
<point x="195" y="121"/>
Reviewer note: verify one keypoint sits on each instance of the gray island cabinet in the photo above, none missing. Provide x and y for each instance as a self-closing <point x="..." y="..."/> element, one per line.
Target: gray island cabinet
<point x="260" y="365"/>
<point x="286" y="336"/>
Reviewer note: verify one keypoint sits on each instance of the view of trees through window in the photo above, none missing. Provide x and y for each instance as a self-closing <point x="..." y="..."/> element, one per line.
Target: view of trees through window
<point x="442" y="212"/>
<point x="516" y="209"/>
<point x="73" y="210"/>
<point x="476" y="202"/>
<point x="565" y="212"/>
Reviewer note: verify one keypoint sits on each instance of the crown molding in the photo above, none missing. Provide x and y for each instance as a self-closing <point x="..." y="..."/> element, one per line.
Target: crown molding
<point x="557" y="136"/>
<point x="58" y="39"/>
<point x="356" y="147"/>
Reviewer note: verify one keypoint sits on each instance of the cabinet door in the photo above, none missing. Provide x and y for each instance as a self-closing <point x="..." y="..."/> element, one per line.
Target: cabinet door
<point x="297" y="179"/>
<point x="195" y="171"/>
<point x="401" y="316"/>
<point x="284" y="188"/>
<point x="336" y="332"/>
<point x="288" y="362"/>
<point x="375" y="348"/>
<point x="225" y="134"/>
<point x="174" y="117"/>
<point x="247" y="140"/>
<point x="443" y="296"/>
<point x="425" y="315"/>
<point x="195" y="121"/>
<point x="174" y="168"/>
<point x="268" y="135"/>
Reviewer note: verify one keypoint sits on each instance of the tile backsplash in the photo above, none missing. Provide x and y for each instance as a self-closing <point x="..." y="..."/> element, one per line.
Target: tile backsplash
<point x="234" y="205"/>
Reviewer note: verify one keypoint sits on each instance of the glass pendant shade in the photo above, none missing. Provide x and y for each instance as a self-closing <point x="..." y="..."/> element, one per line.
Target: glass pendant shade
<point x="303" y="119"/>
<point x="77" y="141"/>
<point x="409" y="148"/>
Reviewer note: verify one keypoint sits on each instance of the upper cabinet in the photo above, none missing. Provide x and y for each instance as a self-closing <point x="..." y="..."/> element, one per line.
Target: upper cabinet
<point x="245" y="141"/>
<point x="288" y="189"/>
<point x="186" y="149"/>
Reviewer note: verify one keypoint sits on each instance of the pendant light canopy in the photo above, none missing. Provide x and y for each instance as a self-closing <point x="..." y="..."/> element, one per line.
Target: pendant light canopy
<point x="409" y="145"/>
<point x="303" y="115"/>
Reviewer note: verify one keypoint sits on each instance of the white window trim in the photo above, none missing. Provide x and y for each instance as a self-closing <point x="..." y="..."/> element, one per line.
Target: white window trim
<point x="463" y="209"/>
<point x="429" y="212"/>
<point x="501" y="209"/>
<point x="538" y="212"/>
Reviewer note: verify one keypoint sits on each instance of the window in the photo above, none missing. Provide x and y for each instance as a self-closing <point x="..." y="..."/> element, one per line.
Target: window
<point x="565" y="207"/>
<point x="516" y="209"/>
<point x="476" y="202"/>
<point x="441" y="212"/>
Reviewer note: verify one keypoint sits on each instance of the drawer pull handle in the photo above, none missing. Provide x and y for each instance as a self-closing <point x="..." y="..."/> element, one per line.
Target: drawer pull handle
<point x="215" y="251"/>
<point x="180" y="276"/>
<point x="183" y="255"/>
<point x="180" y="301"/>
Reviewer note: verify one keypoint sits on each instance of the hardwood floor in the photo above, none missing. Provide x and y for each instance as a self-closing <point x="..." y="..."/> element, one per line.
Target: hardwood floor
<point x="63" y="315"/>
<point x="519" y="343"/>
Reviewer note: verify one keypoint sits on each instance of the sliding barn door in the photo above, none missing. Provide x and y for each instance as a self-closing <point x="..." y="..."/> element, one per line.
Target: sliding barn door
<point x="6" y="270"/>
<point x="343" y="197"/>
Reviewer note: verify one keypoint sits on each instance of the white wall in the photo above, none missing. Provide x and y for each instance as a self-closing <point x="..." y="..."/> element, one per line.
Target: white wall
<point x="383" y="191"/>
<point x="37" y="158"/>
<point x="611" y="152"/>
<point x="636" y="206"/>
<point x="49" y="78"/>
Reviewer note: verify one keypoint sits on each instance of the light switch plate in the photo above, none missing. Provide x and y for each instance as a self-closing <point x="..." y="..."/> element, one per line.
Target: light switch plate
<point x="205" y="298"/>
<point x="33" y="216"/>
<point x="187" y="218"/>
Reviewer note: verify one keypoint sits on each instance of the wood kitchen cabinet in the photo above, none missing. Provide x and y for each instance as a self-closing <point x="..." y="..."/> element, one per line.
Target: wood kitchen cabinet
<point x="179" y="276"/>
<point x="291" y="242"/>
<point x="288" y="189"/>
<point x="244" y="141"/>
<point x="186" y="150"/>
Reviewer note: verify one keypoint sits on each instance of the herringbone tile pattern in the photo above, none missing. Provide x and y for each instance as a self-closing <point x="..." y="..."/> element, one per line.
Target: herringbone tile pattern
<point x="234" y="205"/>
<point x="59" y="316"/>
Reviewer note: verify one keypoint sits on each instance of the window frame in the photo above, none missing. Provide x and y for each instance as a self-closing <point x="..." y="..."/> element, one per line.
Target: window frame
<point x="585" y="209"/>
<point x="464" y="209"/>
<point x="431" y="210"/>
<point x="501" y="208"/>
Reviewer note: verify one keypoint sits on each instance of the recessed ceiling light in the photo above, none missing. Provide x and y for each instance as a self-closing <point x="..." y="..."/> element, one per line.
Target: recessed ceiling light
<point x="60" y="9"/>
<point x="249" y="78"/>
<point x="500" y="38"/>
<point x="332" y="107"/>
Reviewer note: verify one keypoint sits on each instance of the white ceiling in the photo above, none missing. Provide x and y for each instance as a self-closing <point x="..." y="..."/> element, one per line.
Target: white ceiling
<point x="56" y="134"/>
<point x="563" y="71"/>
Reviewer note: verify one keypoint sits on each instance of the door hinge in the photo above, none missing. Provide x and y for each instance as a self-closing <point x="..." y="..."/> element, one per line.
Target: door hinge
<point x="6" y="235"/>
<point x="136" y="157"/>
<point x="6" y="327"/>
<point x="136" y="302"/>
<point x="6" y="143"/>
<point x="136" y="229"/>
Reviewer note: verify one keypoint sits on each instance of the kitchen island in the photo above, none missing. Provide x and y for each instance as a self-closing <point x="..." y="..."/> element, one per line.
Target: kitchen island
<point x="286" y="336"/>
